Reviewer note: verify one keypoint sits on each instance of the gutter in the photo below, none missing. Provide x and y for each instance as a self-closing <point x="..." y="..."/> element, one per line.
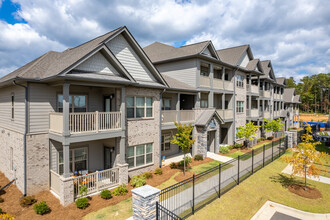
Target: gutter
<point x="160" y="128"/>
<point x="25" y="132"/>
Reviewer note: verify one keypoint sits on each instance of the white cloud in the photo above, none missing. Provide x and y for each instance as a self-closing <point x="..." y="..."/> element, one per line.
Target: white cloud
<point x="293" y="34"/>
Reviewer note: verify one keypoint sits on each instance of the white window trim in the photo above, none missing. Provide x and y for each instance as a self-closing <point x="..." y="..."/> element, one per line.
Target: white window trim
<point x="145" y="107"/>
<point x="73" y="159"/>
<point x="163" y="143"/>
<point x="238" y="107"/>
<point x="72" y="107"/>
<point x="145" y="156"/>
<point x="163" y="104"/>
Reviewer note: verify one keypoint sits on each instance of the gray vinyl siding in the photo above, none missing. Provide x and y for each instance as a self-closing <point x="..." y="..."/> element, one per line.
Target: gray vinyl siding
<point x="184" y="71"/>
<point x="6" y="121"/>
<point x="129" y="59"/>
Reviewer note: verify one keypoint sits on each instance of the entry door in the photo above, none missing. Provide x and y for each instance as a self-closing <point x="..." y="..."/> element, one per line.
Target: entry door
<point x="107" y="103"/>
<point x="210" y="141"/>
<point x="224" y="134"/>
<point x="108" y="157"/>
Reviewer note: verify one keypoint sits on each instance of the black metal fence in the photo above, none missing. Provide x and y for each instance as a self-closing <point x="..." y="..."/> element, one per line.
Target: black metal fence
<point x="186" y="197"/>
<point x="165" y="214"/>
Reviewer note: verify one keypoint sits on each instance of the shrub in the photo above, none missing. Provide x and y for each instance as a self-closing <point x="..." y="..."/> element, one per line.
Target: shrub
<point x="223" y="150"/>
<point x="159" y="171"/>
<point x="147" y="175"/>
<point x="138" y="181"/>
<point x="120" y="190"/>
<point x="6" y="216"/>
<point x="188" y="161"/>
<point x="106" y="194"/>
<point x="1" y="200"/>
<point x="270" y="138"/>
<point x="41" y="208"/>
<point x="173" y="165"/>
<point x="260" y="139"/>
<point x="27" y="201"/>
<point x="238" y="145"/>
<point x="198" y="157"/>
<point x="0" y="210"/>
<point x="83" y="190"/>
<point x="82" y="203"/>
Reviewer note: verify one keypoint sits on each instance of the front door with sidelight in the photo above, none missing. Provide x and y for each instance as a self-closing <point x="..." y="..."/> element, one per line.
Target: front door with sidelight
<point x="108" y="153"/>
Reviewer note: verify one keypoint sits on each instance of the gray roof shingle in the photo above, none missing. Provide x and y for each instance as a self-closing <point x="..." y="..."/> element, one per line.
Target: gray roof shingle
<point x="206" y="116"/>
<point x="232" y="55"/>
<point x="288" y="95"/>
<point x="175" y="84"/>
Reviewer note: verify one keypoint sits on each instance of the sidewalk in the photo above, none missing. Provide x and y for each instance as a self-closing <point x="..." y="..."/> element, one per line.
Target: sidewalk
<point x="272" y="210"/>
<point x="218" y="157"/>
<point x="322" y="179"/>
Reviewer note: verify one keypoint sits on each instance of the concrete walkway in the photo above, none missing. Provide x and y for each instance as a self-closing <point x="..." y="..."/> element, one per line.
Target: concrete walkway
<point x="271" y="210"/>
<point x="218" y="157"/>
<point x="174" y="159"/>
<point x="322" y="179"/>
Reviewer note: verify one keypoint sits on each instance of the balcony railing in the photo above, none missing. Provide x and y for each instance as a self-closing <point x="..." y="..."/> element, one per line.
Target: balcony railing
<point x="226" y="114"/>
<point x="205" y="81"/>
<point x="267" y="115"/>
<point x="229" y="85"/>
<point x="86" y="122"/>
<point x="252" y="112"/>
<point x="217" y="84"/>
<point x="169" y="116"/>
<point x="254" y="89"/>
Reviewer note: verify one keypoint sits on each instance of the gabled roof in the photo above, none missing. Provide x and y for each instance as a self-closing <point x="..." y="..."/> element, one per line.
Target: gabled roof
<point x="296" y="99"/>
<point x="267" y="69"/>
<point x="281" y="81"/>
<point x="54" y="64"/>
<point x="158" y="52"/>
<point x="252" y="64"/>
<point x="288" y="95"/>
<point x="206" y="117"/>
<point x="232" y="55"/>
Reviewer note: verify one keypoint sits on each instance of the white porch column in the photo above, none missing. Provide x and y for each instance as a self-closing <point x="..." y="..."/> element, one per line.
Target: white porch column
<point x="177" y="107"/>
<point x="66" y="109"/>
<point x="66" y="160"/>
<point x="123" y="108"/>
<point x="211" y="99"/>
<point x="198" y="100"/>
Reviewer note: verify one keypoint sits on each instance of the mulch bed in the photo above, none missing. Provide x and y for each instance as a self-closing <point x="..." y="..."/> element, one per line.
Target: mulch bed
<point x="310" y="193"/>
<point x="12" y="195"/>
<point x="246" y="149"/>
<point x="180" y="177"/>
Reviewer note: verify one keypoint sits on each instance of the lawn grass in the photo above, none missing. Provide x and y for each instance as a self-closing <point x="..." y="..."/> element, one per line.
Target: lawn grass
<point x="243" y="201"/>
<point x="122" y="210"/>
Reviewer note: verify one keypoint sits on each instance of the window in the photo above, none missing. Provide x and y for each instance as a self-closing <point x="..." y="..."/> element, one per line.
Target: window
<point x="240" y="107"/>
<point x="139" y="155"/>
<point x="139" y="107"/>
<point x="78" y="160"/>
<point x="217" y="73"/>
<point x="166" y="142"/>
<point x="205" y="70"/>
<point x="12" y="106"/>
<point x="166" y="104"/>
<point x="204" y="103"/>
<point x="240" y="81"/>
<point x="78" y="105"/>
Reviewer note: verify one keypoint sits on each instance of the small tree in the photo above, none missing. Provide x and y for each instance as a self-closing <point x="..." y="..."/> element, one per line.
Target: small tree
<point x="184" y="140"/>
<point x="273" y="125"/>
<point x="305" y="156"/>
<point x="247" y="132"/>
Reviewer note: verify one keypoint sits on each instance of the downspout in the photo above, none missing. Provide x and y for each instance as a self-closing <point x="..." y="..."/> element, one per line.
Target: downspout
<point x="25" y="132"/>
<point x="234" y="129"/>
<point x="160" y="128"/>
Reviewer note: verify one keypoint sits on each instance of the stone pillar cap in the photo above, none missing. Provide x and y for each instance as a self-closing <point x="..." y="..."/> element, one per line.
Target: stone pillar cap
<point x="146" y="191"/>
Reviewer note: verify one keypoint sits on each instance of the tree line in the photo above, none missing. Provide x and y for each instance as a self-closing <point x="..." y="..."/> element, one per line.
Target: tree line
<point x="314" y="92"/>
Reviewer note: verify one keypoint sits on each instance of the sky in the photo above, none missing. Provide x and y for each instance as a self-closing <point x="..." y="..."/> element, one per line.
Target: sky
<point x="294" y="35"/>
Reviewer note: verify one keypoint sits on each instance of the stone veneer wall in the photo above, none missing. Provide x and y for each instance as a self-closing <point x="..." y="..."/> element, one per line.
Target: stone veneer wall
<point x="143" y="131"/>
<point x="144" y="202"/>
<point x="12" y="139"/>
<point x="240" y="118"/>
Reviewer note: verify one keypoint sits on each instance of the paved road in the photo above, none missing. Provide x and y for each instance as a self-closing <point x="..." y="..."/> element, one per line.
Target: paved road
<point x="181" y="200"/>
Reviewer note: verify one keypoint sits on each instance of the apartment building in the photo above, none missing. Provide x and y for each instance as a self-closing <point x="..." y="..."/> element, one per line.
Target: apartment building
<point x="100" y="112"/>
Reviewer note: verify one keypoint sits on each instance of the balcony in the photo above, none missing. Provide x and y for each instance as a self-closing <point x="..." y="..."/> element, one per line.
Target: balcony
<point x="265" y="93"/>
<point x="254" y="89"/>
<point x="204" y="81"/>
<point x="277" y="96"/>
<point x="267" y="115"/>
<point x="86" y="122"/>
<point x="217" y="84"/>
<point x="170" y="116"/>
<point x="227" y="114"/>
<point x="229" y="85"/>
<point x="252" y="113"/>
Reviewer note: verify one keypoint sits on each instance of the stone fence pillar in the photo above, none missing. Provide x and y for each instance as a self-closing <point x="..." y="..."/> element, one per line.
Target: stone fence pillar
<point x="144" y="202"/>
<point x="66" y="191"/>
<point x="123" y="173"/>
<point x="290" y="138"/>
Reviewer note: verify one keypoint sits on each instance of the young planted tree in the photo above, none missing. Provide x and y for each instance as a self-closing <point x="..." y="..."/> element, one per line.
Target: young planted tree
<point x="305" y="157"/>
<point x="247" y="132"/>
<point x="273" y="125"/>
<point x="184" y="140"/>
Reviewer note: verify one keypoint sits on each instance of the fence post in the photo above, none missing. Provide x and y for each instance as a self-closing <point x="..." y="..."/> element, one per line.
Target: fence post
<point x="219" y="180"/>
<point x="263" y="156"/>
<point x="272" y="151"/>
<point x="238" y="170"/>
<point x="157" y="212"/>
<point x="252" y="159"/>
<point x="193" y="206"/>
